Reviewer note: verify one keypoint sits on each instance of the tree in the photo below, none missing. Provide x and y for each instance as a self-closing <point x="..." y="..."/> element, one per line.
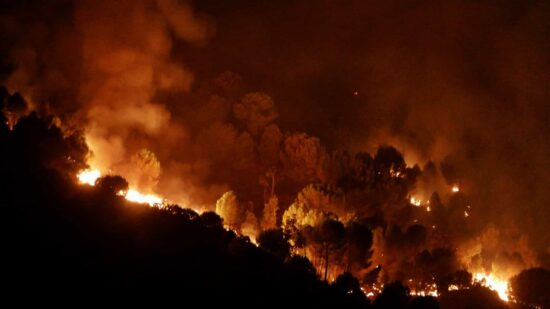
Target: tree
<point x="45" y="145"/>
<point x="475" y="297"/>
<point x="249" y="227"/>
<point x="231" y="210"/>
<point x="302" y="157"/>
<point x="269" y="218"/>
<point x="301" y="263"/>
<point x="348" y="285"/>
<point x="256" y="110"/>
<point x="325" y="198"/>
<point x="112" y="184"/>
<point x="394" y="295"/>
<point x="331" y="235"/>
<point x="416" y="235"/>
<point x="461" y="278"/>
<point x="438" y="264"/>
<point x="176" y="210"/>
<point x="361" y="173"/>
<point x="270" y="145"/>
<point x="359" y="242"/>
<point x="300" y="215"/>
<point x="15" y="107"/>
<point x="532" y="286"/>
<point x="274" y="242"/>
<point x="211" y="219"/>
<point x="388" y="161"/>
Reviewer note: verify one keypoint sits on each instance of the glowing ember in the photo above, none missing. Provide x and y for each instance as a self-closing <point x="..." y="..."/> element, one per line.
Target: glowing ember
<point x="415" y="201"/>
<point x="421" y="289"/>
<point x="455" y="189"/>
<point x="494" y="284"/>
<point x="432" y="293"/>
<point x="466" y="214"/>
<point x="135" y="196"/>
<point x="88" y="176"/>
<point x="453" y="287"/>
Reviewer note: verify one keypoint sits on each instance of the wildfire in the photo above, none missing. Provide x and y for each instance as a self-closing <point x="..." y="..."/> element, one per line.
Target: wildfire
<point x="493" y="283"/>
<point x="415" y="201"/>
<point x="135" y="196"/>
<point x="430" y="290"/>
<point x="90" y="176"/>
<point x="453" y="287"/>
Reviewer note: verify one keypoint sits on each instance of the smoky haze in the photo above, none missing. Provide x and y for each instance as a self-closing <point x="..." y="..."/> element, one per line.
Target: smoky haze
<point x="461" y="83"/>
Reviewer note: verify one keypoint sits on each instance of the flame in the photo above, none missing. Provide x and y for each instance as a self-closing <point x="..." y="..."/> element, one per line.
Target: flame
<point x="493" y="283"/>
<point x="415" y="201"/>
<point x="88" y="176"/>
<point x="422" y="289"/>
<point x="135" y="196"/>
<point x="453" y="287"/>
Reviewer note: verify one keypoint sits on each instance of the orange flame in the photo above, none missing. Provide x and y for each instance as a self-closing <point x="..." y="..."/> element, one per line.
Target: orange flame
<point x="135" y="196"/>
<point x="493" y="283"/>
<point x="88" y="176"/>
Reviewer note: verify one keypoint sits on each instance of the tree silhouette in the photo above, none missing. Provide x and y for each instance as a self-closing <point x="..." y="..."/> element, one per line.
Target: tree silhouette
<point x="211" y="219"/>
<point x="112" y="184"/>
<point x="274" y="242"/>
<point x="532" y="286"/>
<point x="331" y="235"/>
<point x="348" y="285"/>
<point x="394" y="295"/>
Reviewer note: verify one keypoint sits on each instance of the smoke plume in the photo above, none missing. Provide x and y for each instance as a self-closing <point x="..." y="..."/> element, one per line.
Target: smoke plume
<point x="285" y="104"/>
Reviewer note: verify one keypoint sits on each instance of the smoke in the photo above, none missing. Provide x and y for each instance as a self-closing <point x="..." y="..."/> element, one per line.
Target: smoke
<point x="460" y="88"/>
<point x="102" y="64"/>
<point x="463" y="84"/>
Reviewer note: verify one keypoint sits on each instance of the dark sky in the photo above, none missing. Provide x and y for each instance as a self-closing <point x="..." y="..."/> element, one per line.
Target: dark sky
<point x="312" y="55"/>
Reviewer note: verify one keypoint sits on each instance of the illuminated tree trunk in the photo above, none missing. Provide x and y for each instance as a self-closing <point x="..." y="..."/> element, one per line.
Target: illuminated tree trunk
<point x="326" y="261"/>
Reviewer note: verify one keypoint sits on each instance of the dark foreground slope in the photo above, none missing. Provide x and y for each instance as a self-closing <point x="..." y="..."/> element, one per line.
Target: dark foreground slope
<point x="60" y="238"/>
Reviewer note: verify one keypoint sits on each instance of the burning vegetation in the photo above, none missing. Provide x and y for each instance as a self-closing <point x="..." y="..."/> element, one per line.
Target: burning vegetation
<point x="126" y="172"/>
<point x="361" y="233"/>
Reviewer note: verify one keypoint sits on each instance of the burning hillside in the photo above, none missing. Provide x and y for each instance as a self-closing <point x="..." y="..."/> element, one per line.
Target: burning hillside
<point x="395" y="155"/>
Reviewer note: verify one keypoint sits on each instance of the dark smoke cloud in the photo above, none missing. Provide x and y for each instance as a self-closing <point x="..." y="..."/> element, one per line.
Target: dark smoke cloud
<point x="101" y="64"/>
<point x="460" y="83"/>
